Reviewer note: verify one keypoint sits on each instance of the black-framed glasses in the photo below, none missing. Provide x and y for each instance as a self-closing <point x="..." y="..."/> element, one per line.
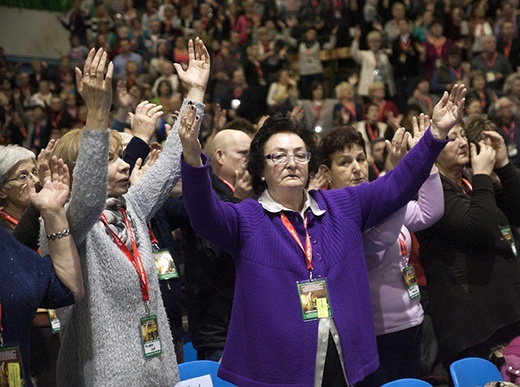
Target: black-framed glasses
<point x="283" y="157"/>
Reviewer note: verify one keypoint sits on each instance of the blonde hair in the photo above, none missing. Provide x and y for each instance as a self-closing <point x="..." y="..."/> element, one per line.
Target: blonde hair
<point x="375" y="85"/>
<point x="67" y="148"/>
<point x="339" y="87"/>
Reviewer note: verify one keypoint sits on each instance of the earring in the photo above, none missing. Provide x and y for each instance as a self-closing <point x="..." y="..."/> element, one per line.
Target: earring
<point x="262" y="178"/>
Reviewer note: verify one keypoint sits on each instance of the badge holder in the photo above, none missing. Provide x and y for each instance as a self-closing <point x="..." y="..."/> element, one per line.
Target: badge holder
<point x="55" y="322"/>
<point x="11" y="367"/>
<point x="150" y="335"/>
<point x="508" y="235"/>
<point x="314" y="299"/>
<point x="410" y="281"/>
<point x="165" y="265"/>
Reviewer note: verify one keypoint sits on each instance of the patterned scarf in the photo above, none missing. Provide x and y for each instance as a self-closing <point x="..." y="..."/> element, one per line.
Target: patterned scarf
<point x="116" y="222"/>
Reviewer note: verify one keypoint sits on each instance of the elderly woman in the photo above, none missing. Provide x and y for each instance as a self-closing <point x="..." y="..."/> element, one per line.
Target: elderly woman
<point x="374" y="62"/>
<point x="398" y="314"/>
<point x="29" y="281"/>
<point x="17" y="167"/>
<point x="470" y="256"/>
<point x="119" y="334"/>
<point x="302" y="300"/>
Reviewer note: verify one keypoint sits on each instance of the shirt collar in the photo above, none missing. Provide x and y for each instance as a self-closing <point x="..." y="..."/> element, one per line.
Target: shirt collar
<point x="269" y="204"/>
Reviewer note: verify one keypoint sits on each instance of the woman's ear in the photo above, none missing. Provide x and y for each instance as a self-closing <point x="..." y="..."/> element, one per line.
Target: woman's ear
<point x="325" y="171"/>
<point x="3" y="194"/>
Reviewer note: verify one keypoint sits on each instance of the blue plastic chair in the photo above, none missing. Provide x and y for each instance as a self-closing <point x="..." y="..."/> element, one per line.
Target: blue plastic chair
<point x="407" y="382"/>
<point x="193" y="369"/>
<point x="474" y="371"/>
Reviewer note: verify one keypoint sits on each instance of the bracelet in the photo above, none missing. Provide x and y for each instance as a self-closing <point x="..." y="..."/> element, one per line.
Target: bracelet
<point x="58" y="235"/>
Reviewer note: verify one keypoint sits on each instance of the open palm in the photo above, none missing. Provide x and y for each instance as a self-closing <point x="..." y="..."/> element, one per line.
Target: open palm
<point x="197" y="74"/>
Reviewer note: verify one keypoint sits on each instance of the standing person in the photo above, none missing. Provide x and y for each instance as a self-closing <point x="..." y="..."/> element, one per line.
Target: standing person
<point x="29" y="281"/>
<point x="318" y="110"/>
<point x="374" y="62"/>
<point x="119" y="334"/>
<point x="470" y="255"/>
<point x="210" y="271"/>
<point x="398" y="314"/>
<point x="508" y="125"/>
<point x="495" y="65"/>
<point x="298" y="253"/>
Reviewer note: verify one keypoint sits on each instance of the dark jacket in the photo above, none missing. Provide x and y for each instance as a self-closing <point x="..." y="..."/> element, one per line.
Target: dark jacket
<point x="473" y="276"/>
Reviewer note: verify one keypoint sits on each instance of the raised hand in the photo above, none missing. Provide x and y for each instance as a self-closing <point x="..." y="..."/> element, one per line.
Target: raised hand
<point x="96" y="88"/>
<point x="196" y="76"/>
<point x="140" y="169"/>
<point x="55" y="191"/>
<point x="189" y="135"/>
<point x="483" y="162"/>
<point x="142" y="123"/>
<point x="43" y="156"/>
<point x="243" y="188"/>
<point x="398" y="147"/>
<point x="419" y="128"/>
<point x="125" y="99"/>
<point x="448" y="111"/>
<point x="499" y="145"/>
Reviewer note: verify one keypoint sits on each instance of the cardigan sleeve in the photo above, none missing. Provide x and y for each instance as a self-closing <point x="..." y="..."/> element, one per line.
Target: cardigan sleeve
<point x="151" y="191"/>
<point x="384" y="235"/>
<point x="429" y="208"/>
<point x="89" y="184"/>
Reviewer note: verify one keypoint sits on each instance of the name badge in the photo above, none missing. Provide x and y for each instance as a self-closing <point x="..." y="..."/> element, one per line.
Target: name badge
<point x="410" y="281"/>
<point x="55" y="322"/>
<point x="508" y="236"/>
<point x="490" y="76"/>
<point x="11" y="367"/>
<point x="150" y="336"/>
<point x="165" y="265"/>
<point x="314" y="299"/>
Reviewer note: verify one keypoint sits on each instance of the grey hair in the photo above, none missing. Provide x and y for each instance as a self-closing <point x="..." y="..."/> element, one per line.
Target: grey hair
<point x="508" y="84"/>
<point x="11" y="155"/>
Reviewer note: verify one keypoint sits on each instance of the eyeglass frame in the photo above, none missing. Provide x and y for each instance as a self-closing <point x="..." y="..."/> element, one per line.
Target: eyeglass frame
<point x="288" y="156"/>
<point x="28" y="175"/>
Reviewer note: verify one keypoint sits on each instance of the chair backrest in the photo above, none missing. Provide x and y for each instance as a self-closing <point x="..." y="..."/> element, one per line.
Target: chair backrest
<point x="193" y="369"/>
<point x="407" y="382"/>
<point x="474" y="372"/>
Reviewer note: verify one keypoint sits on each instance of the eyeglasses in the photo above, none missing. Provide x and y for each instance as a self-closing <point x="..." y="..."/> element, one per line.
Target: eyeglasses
<point x="22" y="177"/>
<point x="283" y="158"/>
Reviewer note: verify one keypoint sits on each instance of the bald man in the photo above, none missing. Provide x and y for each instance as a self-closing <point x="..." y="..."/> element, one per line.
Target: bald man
<point x="228" y="155"/>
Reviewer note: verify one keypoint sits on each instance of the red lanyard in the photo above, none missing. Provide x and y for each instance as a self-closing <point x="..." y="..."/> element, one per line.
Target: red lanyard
<point x="510" y="130"/>
<point x="8" y="217"/>
<point x="458" y="74"/>
<point x="376" y="58"/>
<point x="135" y="258"/>
<point x="438" y="46"/>
<point x="466" y="183"/>
<point x="153" y="239"/>
<point x="490" y="63"/>
<point x="405" y="46"/>
<point x="231" y="187"/>
<point x="56" y="120"/>
<point x="402" y="245"/>
<point x="352" y="111"/>
<point x="372" y="134"/>
<point x="507" y="48"/>
<point x="308" y="247"/>
<point x="317" y="110"/>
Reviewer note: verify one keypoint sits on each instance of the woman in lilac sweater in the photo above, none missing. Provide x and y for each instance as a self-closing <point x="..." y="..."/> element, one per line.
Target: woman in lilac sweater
<point x="302" y="313"/>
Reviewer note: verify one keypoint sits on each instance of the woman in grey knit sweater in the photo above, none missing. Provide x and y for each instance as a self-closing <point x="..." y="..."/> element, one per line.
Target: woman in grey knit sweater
<point x="119" y="334"/>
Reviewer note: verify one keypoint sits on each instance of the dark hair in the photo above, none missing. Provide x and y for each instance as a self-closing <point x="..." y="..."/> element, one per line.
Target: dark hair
<point x="474" y="126"/>
<point x="277" y="123"/>
<point x="337" y="139"/>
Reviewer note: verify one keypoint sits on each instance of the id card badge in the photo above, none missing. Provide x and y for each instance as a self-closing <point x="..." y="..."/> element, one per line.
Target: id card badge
<point x="165" y="265"/>
<point x="150" y="336"/>
<point x="11" y="367"/>
<point x="314" y="299"/>
<point x="508" y="235"/>
<point x="512" y="150"/>
<point x="55" y="322"/>
<point x="410" y="281"/>
<point x="490" y="76"/>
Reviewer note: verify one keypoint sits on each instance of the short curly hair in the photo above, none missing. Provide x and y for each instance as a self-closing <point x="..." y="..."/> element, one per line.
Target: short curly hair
<point x="275" y="124"/>
<point x="337" y="139"/>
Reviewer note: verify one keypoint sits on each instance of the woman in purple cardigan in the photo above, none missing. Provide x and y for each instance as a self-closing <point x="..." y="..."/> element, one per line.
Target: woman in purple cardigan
<point x="301" y="313"/>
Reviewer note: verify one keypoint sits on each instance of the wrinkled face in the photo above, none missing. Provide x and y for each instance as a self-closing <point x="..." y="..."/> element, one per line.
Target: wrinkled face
<point x="14" y="191"/>
<point x="456" y="153"/>
<point x="349" y="167"/>
<point x="118" y="173"/>
<point x="290" y="175"/>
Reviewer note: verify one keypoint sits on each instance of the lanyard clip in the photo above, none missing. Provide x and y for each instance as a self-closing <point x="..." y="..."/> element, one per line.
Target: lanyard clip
<point x="310" y="275"/>
<point x="147" y="307"/>
<point x="1" y="339"/>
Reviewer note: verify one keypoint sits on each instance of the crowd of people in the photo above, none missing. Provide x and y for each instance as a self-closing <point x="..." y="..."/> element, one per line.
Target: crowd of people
<point x="231" y="189"/>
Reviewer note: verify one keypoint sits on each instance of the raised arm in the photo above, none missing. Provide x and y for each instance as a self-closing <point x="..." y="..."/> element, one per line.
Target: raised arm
<point x="89" y="188"/>
<point x="158" y="182"/>
<point x="50" y="201"/>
